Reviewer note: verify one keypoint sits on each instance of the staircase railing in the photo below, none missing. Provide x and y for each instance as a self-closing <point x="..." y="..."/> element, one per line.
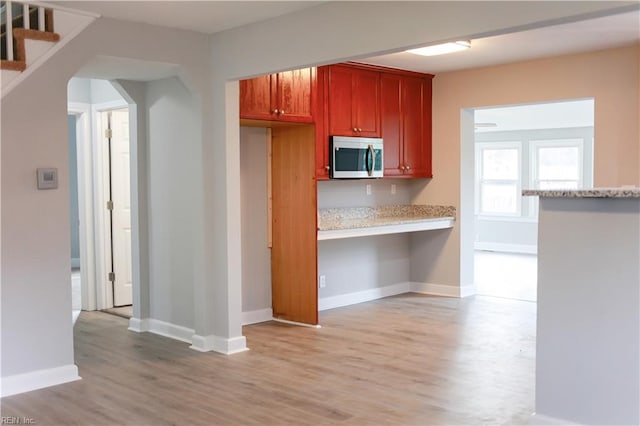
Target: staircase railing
<point x="26" y="15"/>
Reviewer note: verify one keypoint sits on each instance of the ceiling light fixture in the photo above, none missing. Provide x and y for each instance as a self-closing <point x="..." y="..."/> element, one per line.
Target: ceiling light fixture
<point x="441" y="49"/>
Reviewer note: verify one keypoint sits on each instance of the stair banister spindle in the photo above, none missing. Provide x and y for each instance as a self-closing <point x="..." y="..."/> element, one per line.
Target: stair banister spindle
<point x="41" y="25"/>
<point x="9" y="28"/>
<point x="25" y="16"/>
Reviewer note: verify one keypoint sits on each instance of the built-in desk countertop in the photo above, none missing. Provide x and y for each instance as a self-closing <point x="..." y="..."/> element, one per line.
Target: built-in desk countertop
<point x="335" y="223"/>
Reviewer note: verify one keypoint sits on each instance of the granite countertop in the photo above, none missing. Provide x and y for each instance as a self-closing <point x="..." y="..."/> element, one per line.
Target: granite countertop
<point x="365" y="217"/>
<point x="627" y="192"/>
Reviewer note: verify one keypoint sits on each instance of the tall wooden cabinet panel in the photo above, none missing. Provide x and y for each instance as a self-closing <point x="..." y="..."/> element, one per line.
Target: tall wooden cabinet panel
<point x="286" y="96"/>
<point x="294" y="291"/>
<point x="353" y="101"/>
<point x="406" y="125"/>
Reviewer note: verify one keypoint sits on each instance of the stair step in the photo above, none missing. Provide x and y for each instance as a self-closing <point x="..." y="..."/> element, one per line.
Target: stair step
<point x="13" y="65"/>
<point x="19" y="37"/>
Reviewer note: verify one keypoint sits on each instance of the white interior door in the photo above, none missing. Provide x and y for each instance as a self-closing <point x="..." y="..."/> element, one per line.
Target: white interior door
<point x="121" y="212"/>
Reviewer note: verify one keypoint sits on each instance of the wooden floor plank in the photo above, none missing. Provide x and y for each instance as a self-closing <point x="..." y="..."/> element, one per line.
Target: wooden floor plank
<point x="403" y="360"/>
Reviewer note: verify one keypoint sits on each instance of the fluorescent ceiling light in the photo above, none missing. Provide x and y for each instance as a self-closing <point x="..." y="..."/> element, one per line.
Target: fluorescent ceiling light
<point x="441" y="49"/>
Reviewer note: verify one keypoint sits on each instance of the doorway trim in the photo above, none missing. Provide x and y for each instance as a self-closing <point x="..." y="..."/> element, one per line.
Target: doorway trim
<point x="83" y="113"/>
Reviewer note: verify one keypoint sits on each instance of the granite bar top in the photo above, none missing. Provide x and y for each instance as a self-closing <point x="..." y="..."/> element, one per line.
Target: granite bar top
<point x="630" y="192"/>
<point x="365" y="217"/>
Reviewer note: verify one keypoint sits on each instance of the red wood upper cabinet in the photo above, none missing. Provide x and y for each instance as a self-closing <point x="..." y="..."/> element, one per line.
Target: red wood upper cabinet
<point x="286" y="96"/>
<point x="353" y="101"/>
<point x="322" y="127"/>
<point x="255" y="98"/>
<point x="406" y="124"/>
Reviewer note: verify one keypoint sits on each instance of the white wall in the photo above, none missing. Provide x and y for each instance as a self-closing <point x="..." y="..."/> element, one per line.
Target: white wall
<point x="256" y="255"/>
<point x="174" y="174"/>
<point x="588" y="332"/>
<point x="91" y="91"/>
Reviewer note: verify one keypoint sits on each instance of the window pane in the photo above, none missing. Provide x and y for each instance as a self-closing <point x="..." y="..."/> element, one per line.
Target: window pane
<point x="558" y="184"/>
<point x="499" y="198"/>
<point x="500" y="163"/>
<point x="559" y="163"/>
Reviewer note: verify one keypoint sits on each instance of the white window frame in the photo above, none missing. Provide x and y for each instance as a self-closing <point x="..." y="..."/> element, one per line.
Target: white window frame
<point x="479" y="148"/>
<point x="535" y="145"/>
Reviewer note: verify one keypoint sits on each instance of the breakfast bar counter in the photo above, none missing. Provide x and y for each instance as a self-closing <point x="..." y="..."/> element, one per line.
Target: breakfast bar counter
<point x="588" y="321"/>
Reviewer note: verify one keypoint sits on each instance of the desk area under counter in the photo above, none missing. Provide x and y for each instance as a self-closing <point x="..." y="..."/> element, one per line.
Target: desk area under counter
<point x="349" y="222"/>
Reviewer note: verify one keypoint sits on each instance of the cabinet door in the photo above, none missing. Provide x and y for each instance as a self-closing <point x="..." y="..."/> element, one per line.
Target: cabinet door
<point x="416" y="94"/>
<point x="390" y="104"/>
<point x="366" y="102"/>
<point x="412" y="92"/>
<point x="340" y="103"/>
<point x="294" y="95"/>
<point x="321" y="125"/>
<point x="255" y="98"/>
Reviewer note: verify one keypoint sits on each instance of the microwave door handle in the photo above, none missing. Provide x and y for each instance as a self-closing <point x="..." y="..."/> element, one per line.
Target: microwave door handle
<point x="371" y="154"/>
<point x="373" y="159"/>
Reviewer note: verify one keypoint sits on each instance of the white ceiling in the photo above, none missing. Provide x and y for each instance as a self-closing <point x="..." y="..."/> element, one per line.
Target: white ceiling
<point x="215" y="16"/>
<point x="577" y="113"/>
<point x="594" y="34"/>
<point x="202" y="16"/>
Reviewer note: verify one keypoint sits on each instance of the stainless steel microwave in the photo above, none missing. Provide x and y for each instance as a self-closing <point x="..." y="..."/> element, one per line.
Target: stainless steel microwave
<point x="356" y="157"/>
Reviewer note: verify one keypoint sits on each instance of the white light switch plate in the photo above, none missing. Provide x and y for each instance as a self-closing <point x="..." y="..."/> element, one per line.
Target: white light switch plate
<point x="47" y="178"/>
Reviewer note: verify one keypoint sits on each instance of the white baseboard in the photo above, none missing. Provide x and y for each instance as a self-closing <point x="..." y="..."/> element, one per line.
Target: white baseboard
<point x="161" y="328"/>
<point x="139" y="325"/>
<point x="361" y="296"/>
<point x="442" y="290"/>
<point x="219" y="344"/>
<point x="506" y="248"/>
<point x="20" y="383"/>
<point x="254" y="317"/>
<point x="170" y="330"/>
<point x="538" y="419"/>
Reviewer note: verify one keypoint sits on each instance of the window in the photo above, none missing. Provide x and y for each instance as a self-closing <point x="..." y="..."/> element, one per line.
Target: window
<point x="557" y="164"/>
<point x="499" y="178"/>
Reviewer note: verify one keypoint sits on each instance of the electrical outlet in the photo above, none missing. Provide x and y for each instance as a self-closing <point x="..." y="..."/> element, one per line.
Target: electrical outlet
<point x="322" y="282"/>
<point x="368" y="189"/>
<point x="393" y="188"/>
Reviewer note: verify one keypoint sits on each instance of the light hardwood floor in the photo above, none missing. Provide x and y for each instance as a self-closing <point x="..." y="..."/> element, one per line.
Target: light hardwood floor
<point x="403" y="360"/>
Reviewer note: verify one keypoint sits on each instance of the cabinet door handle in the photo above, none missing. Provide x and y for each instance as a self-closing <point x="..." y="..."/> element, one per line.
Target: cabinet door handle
<point x="359" y="129"/>
<point x="327" y="168"/>
<point x="281" y="112"/>
<point x="355" y="129"/>
<point x="408" y="168"/>
<point x="275" y="111"/>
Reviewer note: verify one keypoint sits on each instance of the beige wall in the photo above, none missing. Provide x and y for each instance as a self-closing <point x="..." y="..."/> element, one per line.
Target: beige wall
<point x="611" y="77"/>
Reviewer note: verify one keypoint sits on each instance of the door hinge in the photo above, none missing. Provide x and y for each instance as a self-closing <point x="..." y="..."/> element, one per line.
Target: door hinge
<point x="108" y="133"/>
<point x="110" y="205"/>
<point x="112" y="276"/>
